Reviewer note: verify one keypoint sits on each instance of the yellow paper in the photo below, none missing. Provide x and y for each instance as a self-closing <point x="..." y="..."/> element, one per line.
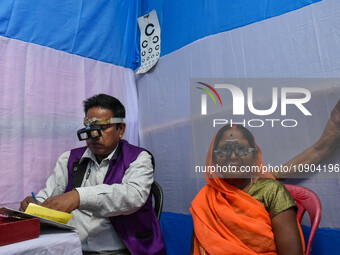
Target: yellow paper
<point x="47" y="213"/>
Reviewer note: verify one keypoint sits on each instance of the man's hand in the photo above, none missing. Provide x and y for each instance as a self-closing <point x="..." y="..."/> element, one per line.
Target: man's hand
<point x="25" y="202"/>
<point x="66" y="202"/>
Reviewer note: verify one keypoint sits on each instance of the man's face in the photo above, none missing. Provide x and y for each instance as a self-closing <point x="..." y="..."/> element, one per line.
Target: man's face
<point x="102" y="146"/>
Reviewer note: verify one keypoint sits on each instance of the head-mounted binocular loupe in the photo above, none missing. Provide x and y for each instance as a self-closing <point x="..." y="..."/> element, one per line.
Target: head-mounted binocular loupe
<point x="94" y="126"/>
<point x="89" y="132"/>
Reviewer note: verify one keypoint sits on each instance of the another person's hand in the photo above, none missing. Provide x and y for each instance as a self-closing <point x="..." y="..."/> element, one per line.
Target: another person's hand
<point x="335" y="115"/>
<point x="323" y="148"/>
<point x="25" y="202"/>
<point x="330" y="138"/>
<point x="66" y="202"/>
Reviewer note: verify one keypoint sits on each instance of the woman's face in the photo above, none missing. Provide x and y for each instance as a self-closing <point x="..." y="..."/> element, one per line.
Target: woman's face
<point x="233" y="162"/>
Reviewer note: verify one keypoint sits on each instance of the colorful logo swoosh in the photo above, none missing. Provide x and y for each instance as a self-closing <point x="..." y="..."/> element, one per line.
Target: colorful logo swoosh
<point x="209" y="93"/>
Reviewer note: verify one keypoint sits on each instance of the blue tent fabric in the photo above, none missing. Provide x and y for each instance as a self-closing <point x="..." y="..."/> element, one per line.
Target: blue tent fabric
<point x="101" y="30"/>
<point x="177" y="231"/>
<point x="107" y="30"/>
<point x="183" y="22"/>
<point x="326" y="240"/>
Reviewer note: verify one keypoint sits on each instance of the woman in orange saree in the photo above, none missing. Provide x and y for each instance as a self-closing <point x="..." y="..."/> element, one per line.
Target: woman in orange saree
<point x="242" y="213"/>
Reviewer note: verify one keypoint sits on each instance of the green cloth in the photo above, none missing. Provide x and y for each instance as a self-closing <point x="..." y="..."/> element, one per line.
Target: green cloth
<point x="273" y="195"/>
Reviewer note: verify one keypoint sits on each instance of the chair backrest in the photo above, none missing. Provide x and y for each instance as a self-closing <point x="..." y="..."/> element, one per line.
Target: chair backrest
<point x="157" y="192"/>
<point x="307" y="200"/>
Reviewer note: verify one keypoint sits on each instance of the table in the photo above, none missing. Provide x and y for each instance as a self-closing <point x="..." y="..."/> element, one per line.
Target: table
<point x="50" y="241"/>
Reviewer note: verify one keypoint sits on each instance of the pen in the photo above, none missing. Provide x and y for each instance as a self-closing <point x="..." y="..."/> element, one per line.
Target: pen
<point x="35" y="200"/>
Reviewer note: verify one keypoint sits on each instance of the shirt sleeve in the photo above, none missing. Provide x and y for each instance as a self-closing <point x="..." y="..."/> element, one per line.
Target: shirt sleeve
<point x="278" y="199"/>
<point x="120" y="199"/>
<point x="56" y="184"/>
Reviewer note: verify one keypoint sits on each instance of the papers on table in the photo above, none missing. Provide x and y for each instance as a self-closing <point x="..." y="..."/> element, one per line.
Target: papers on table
<point x="43" y="221"/>
<point x="47" y="213"/>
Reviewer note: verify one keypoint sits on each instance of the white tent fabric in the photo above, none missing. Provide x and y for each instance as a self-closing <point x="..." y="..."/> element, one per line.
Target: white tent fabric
<point x="298" y="44"/>
<point x="42" y="90"/>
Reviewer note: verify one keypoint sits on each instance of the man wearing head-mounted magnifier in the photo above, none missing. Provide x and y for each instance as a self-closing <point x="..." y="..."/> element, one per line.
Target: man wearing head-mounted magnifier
<point x="106" y="185"/>
<point x="93" y="127"/>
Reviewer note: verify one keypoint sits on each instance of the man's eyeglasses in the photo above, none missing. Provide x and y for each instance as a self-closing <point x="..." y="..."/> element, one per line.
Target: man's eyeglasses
<point x="233" y="145"/>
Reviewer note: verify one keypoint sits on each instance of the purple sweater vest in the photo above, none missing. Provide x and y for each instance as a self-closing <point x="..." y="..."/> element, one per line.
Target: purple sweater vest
<point x="140" y="231"/>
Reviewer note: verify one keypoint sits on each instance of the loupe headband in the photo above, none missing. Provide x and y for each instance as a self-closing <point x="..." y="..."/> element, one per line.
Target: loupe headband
<point x="93" y="127"/>
<point x="106" y="121"/>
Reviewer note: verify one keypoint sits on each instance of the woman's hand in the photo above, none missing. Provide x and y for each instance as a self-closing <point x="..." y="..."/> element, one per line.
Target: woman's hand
<point x="286" y="233"/>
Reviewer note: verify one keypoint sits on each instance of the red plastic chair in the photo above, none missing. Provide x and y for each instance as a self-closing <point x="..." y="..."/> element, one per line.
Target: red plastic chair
<point x="307" y="200"/>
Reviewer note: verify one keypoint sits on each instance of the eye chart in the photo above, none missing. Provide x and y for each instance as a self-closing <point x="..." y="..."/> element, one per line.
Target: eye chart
<point x="150" y="41"/>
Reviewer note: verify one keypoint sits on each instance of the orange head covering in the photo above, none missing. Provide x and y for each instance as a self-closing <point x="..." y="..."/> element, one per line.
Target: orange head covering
<point x="228" y="220"/>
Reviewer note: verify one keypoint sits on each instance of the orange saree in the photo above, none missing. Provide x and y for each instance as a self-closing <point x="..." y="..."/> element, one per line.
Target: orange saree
<point x="230" y="221"/>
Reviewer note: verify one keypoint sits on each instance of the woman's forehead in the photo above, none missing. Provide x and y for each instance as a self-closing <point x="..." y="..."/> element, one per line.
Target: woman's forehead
<point x="233" y="134"/>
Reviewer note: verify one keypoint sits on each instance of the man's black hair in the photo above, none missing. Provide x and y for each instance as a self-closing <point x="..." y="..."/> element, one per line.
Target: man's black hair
<point x="107" y="102"/>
